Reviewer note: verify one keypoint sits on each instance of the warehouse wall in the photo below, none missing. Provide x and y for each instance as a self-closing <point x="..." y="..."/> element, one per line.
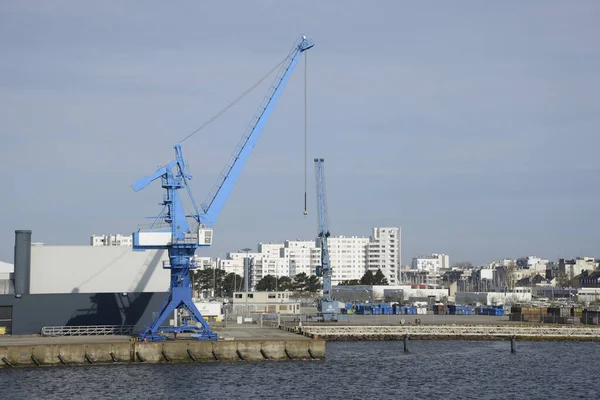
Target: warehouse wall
<point x="32" y="312"/>
<point x="103" y="269"/>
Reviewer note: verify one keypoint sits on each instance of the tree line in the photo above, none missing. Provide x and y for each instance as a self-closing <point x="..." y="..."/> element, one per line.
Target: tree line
<point x="300" y="283"/>
<point x="224" y="284"/>
<point x="369" y="278"/>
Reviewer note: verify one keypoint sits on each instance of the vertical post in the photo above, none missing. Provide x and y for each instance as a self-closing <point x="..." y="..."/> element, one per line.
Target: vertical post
<point x="406" y="343"/>
<point x="513" y="344"/>
<point x="246" y="265"/>
<point x="22" y="262"/>
<point x="214" y="293"/>
<point x="261" y="319"/>
<point x="246" y="278"/>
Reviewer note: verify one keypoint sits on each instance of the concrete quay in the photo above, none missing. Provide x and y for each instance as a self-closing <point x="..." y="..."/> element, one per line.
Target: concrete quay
<point x="236" y="344"/>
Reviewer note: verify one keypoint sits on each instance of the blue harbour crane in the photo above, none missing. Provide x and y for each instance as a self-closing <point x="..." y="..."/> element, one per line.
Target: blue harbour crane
<point x="327" y="308"/>
<point x="187" y="232"/>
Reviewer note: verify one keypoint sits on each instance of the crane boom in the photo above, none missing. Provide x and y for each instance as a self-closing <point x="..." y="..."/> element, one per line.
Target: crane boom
<point x="216" y="199"/>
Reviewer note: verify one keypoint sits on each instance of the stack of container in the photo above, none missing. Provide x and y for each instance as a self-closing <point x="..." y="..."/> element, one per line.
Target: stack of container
<point x="459" y="310"/>
<point x="386" y="309"/>
<point x="590" y="317"/>
<point x="561" y="315"/>
<point x="421" y="310"/>
<point x="439" y="309"/>
<point x="404" y="310"/>
<point x="527" y="314"/>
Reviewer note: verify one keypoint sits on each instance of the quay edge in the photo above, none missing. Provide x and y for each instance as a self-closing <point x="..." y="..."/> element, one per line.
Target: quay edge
<point x="400" y="337"/>
<point x="165" y="352"/>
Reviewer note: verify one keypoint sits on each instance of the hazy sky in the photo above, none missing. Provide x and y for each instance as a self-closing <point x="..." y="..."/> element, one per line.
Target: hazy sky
<point x="472" y="125"/>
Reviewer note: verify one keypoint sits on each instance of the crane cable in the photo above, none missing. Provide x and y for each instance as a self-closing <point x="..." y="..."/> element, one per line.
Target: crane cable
<point x="305" y="132"/>
<point x="234" y="102"/>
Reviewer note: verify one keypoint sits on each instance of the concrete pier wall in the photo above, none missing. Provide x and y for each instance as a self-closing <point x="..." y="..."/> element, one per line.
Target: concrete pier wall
<point x="170" y="351"/>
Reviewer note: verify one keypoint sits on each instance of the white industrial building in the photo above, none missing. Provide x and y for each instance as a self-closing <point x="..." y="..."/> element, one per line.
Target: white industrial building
<point x="97" y="269"/>
<point x="377" y="293"/>
<point x="111" y="240"/>
<point x="433" y="262"/>
<point x="588" y="295"/>
<point x="264" y="302"/>
<point x="517" y="295"/>
<point x="6" y="271"/>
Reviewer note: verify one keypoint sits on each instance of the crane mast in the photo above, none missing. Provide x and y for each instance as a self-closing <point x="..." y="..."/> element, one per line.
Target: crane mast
<point x="326" y="307"/>
<point x="181" y="240"/>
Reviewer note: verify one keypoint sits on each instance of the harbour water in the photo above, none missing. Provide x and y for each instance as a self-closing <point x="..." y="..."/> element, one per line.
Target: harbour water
<point x="352" y="370"/>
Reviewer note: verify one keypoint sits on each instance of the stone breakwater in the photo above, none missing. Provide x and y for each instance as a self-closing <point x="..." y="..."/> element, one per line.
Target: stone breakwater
<point x="449" y="332"/>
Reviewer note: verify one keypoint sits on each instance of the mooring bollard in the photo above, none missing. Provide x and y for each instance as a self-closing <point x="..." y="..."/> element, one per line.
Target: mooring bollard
<point x="406" y="343"/>
<point x="513" y="344"/>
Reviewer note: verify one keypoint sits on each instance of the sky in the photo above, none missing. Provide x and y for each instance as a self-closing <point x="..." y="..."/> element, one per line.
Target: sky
<point x="472" y="126"/>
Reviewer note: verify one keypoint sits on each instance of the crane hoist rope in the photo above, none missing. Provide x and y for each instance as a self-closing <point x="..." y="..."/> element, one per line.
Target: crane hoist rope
<point x="234" y="102"/>
<point x="305" y="131"/>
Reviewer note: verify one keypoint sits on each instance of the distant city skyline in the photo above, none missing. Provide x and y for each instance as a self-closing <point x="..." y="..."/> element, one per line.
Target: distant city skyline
<point x="472" y="126"/>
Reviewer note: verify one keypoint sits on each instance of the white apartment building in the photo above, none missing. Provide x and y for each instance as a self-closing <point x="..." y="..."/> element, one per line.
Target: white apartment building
<point x="303" y="256"/>
<point x="234" y="262"/>
<point x="433" y="262"/>
<point x="348" y="257"/>
<point x="383" y="252"/>
<point x="204" y="262"/>
<point x="576" y="266"/>
<point x="111" y="240"/>
<point x="267" y="261"/>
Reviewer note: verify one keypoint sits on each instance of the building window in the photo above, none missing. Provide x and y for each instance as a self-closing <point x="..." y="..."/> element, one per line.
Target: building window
<point x="250" y="295"/>
<point x="271" y="295"/>
<point x="238" y="295"/>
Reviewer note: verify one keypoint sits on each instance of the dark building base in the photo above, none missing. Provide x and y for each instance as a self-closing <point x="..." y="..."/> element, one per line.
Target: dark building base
<point x="29" y="313"/>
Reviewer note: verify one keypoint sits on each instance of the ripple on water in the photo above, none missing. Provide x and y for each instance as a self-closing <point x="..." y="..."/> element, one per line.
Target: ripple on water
<point x="371" y="370"/>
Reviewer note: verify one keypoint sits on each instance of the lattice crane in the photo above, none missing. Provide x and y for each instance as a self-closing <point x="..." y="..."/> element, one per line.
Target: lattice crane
<point x="327" y="308"/>
<point x="180" y="239"/>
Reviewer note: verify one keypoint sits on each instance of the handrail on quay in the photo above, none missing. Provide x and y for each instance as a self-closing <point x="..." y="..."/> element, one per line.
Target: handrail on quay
<point x="89" y="330"/>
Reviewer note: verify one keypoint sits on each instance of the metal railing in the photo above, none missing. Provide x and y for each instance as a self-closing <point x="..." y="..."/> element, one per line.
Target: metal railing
<point x="89" y="330"/>
<point x="458" y="331"/>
